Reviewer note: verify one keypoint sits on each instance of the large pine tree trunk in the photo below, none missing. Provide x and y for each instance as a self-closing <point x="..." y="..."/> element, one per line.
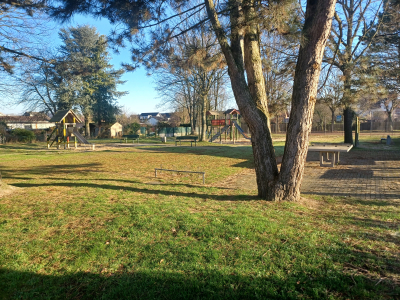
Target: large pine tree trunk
<point x="251" y="99"/>
<point x="316" y="31"/>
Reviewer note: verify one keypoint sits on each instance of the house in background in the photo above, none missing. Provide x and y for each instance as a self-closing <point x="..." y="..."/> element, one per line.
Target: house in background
<point x="108" y="131"/>
<point x="153" y="119"/>
<point x="116" y="130"/>
<point x="37" y="121"/>
<point x="143" y="117"/>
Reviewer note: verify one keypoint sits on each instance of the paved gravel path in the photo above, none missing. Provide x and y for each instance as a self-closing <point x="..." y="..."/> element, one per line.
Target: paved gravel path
<point x="362" y="173"/>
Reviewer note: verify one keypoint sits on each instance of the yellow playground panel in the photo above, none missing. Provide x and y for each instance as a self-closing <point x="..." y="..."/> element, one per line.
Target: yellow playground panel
<point x="66" y="129"/>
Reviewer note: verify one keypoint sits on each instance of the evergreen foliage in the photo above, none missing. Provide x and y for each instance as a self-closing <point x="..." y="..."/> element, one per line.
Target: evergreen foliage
<point x="23" y="25"/>
<point x="132" y="128"/>
<point x="87" y="80"/>
<point x="23" y="135"/>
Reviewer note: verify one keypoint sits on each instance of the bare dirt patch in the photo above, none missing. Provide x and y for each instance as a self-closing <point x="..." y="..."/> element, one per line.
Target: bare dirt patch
<point x="6" y="189"/>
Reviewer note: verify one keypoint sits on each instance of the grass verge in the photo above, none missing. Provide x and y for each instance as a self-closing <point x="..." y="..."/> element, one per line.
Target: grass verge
<point x="98" y="225"/>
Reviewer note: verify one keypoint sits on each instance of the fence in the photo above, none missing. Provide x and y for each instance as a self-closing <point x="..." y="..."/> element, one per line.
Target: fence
<point x="375" y="126"/>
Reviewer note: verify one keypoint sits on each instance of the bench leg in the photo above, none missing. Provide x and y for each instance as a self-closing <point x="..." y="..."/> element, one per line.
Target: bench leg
<point x="321" y="159"/>
<point x="333" y="159"/>
<point x="337" y="157"/>
<point x="334" y="155"/>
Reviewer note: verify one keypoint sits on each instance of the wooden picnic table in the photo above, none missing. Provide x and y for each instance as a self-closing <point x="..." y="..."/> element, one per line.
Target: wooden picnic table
<point x="326" y="149"/>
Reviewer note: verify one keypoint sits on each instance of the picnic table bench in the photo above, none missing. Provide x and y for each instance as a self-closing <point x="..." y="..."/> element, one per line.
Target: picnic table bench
<point x="187" y="138"/>
<point x="326" y="149"/>
<point x="126" y="137"/>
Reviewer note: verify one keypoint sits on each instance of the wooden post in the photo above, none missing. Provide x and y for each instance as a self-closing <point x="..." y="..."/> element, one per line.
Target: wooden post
<point x="225" y="125"/>
<point x="57" y="137"/>
<point x="64" y="133"/>
<point x="236" y="130"/>
<point x="357" y="132"/>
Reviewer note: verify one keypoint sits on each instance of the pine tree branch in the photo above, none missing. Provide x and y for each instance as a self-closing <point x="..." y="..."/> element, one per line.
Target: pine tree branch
<point x="5" y="49"/>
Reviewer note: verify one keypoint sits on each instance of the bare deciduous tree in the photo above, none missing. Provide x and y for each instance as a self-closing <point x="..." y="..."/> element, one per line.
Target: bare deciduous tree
<point x="353" y="22"/>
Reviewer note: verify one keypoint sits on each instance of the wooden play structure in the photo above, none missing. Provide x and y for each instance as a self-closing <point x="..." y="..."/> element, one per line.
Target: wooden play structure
<point x="66" y="130"/>
<point x="229" y="125"/>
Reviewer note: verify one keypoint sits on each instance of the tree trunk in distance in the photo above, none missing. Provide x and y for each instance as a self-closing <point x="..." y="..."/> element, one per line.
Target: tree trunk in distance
<point x="203" y="119"/>
<point x="333" y="120"/>
<point x="347" y="112"/>
<point x="390" y="121"/>
<point x="347" y="120"/>
<point x="87" y="125"/>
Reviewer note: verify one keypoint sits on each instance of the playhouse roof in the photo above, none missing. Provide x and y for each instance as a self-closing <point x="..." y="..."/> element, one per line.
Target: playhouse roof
<point x="61" y="114"/>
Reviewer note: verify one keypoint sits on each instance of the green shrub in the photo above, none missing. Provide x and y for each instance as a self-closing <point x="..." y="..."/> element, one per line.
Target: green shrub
<point x="132" y="128"/>
<point x="23" y="135"/>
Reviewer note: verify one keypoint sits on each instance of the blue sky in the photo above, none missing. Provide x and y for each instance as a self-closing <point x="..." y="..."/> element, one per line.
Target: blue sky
<point x="142" y="96"/>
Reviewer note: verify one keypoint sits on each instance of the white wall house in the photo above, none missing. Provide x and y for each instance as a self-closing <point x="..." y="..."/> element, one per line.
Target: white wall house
<point x="145" y="116"/>
<point x="152" y="119"/>
<point x="27" y="122"/>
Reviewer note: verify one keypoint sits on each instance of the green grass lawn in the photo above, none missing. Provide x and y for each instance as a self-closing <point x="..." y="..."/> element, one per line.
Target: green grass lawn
<point x="98" y="225"/>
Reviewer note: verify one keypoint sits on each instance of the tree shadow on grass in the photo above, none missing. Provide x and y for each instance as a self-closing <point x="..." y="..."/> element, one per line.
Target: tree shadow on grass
<point x="28" y="146"/>
<point x="371" y="202"/>
<point x="50" y="169"/>
<point x="242" y="197"/>
<point x="239" y="152"/>
<point x="189" y="284"/>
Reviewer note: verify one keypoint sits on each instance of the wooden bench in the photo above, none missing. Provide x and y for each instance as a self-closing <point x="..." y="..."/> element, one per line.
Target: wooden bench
<point x="133" y="137"/>
<point x="187" y="138"/>
<point x="326" y="149"/>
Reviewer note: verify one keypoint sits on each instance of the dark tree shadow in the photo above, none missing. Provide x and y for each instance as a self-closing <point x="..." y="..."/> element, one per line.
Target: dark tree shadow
<point x="196" y="284"/>
<point x="49" y="169"/>
<point x="242" y="197"/>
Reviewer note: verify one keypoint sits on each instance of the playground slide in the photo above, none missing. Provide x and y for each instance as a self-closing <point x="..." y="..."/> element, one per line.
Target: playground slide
<point x="80" y="138"/>
<point x="218" y="134"/>
<point x="240" y="130"/>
